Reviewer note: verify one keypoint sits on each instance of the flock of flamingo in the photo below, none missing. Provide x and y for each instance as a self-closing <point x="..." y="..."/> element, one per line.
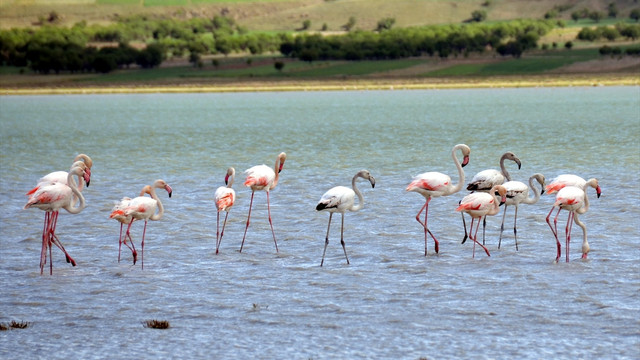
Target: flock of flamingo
<point x="59" y="190"/>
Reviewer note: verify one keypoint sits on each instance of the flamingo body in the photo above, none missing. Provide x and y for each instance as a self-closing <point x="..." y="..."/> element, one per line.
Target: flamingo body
<point x="480" y="204"/>
<point x="434" y="184"/>
<point x="340" y="199"/>
<point x="517" y="193"/>
<point x="224" y="199"/>
<point x="262" y="177"/>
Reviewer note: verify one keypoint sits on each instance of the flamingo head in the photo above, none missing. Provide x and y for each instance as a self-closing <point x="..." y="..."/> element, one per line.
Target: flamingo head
<point x="593" y="182"/>
<point x="231" y="172"/>
<point x="365" y="174"/>
<point x="161" y="184"/>
<point x="86" y="159"/>
<point x="511" y="156"/>
<point x="502" y="192"/>
<point x="466" y="150"/>
<point x="86" y="172"/>
<point x="281" y="159"/>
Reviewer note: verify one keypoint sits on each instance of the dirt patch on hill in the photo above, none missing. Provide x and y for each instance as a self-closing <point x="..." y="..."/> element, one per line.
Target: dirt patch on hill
<point x="604" y="65"/>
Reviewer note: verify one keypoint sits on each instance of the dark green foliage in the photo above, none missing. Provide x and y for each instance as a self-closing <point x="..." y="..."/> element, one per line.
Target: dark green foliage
<point x="151" y="57"/>
<point x="635" y="14"/>
<point x="478" y="15"/>
<point x="278" y="65"/>
<point x="385" y="24"/>
<point x="350" y="24"/>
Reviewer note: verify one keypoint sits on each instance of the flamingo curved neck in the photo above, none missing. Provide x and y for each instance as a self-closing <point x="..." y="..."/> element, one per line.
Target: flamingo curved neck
<point x="71" y="208"/>
<point x="154" y="196"/>
<point x="458" y="186"/>
<point x="231" y="178"/>
<point x="276" y="167"/>
<point x="536" y="193"/>
<point x="358" y="193"/>
<point x="504" y="171"/>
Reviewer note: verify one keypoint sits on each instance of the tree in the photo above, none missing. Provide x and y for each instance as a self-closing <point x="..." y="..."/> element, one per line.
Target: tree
<point x="596" y="15"/>
<point x="575" y="16"/>
<point x="478" y="15"/>
<point x="325" y="27"/>
<point x="568" y="45"/>
<point x="279" y="65"/>
<point x="385" y="24"/>
<point x="151" y="57"/>
<point x="612" y="10"/>
<point x="306" y="24"/>
<point x="195" y="59"/>
<point x="350" y="24"/>
<point x="635" y="14"/>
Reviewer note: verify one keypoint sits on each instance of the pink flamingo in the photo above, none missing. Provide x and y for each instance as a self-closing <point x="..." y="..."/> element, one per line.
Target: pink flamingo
<point x="118" y="214"/>
<point x="480" y="204"/>
<point x="340" y="199"/>
<point x="262" y="177"/>
<point x="81" y="160"/>
<point x="518" y="193"/>
<point x="224" y="197"/>
<point x="144" y="208"/>
<point x="51" y="198"/>
<point x="485" y="180"/>
<point x="573" y="199"/>
<point x="562" y="181"/>
<point x="434" y="184"/>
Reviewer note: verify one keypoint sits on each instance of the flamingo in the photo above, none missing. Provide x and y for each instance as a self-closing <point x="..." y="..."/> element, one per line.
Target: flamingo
<point x="435" y="184"/>
<point x="144" y="208"/>
<point x="340" y="199"/>
<point x="573" y="199"/>
<point x="224" y="197"/>
<point x="123" y="219"/>
<point x="81" y="160"/>
<point x="518" y="193"/>
<point x="262" y="177"/>
<point x="485" y="180"/>
<point x="479" y="205"/>
<point x="51" y="198"/>
<point x="562" y="181"/>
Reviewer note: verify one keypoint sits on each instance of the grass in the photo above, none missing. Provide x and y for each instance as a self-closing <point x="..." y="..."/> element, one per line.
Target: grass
<point x="156" y="324"/>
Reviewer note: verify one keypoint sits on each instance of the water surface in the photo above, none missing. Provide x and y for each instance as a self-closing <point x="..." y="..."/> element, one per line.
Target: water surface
<point x="391" y="302"/>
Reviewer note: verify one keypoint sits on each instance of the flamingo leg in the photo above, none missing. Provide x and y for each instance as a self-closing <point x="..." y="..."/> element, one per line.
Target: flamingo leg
<point x="144" y="231"/>
<point x="502" y="225"/>
<point x="484" y="228"/>
<point x="222" y="232"/>
<point x="248" y="218"/>
<point x="217" y="231"/>
<point x="270" y="222"/>
<point x="45" y="242"/>
<point x="120" y="242"/>
<point x="464" y="224"/>
<point x="54" y="239"/>
<point x="424" y="225"/>
<point x="326" y="239"/>
<point x="555" y="231"/>
<point x="568" y="234"/>
<point x="475" y="239"/>
<point x="342" y="239"/>
<point x="515" y="228"/>
<point x="133" y="248"/>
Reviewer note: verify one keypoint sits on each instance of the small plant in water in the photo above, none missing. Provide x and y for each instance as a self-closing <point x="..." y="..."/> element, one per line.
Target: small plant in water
<point x="257" y="307"/>
<point x="156" y="324"/>
<point x="14" y="325"/>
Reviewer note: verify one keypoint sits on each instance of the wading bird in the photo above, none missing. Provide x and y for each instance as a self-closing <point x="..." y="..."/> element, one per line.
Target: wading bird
<point x="262" y="177"/>
<point x="224" y="198"/>
<point x="434" y="184"/>
<point x="51" y="198"/>
<point x="479" y="205"/>
<point x="340" y="199"/>
<point x="518" y="193"/>
<point x="144" y="208"/>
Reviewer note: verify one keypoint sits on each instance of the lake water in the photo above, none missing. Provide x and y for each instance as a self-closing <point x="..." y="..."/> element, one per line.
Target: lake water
<point x="391" y="302"/>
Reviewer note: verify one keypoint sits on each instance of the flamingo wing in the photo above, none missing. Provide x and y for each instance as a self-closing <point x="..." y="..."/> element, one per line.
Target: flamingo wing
<point x="224" y="198"/>
<point x="476" y="202"/>
<point x="430" y="181"/>
<point x="141" y="207"/>
<point x="485" y="180"/>
<point x="337" y="199"/>
<point x="259" y="176"/>
<point x="564" y="180"/>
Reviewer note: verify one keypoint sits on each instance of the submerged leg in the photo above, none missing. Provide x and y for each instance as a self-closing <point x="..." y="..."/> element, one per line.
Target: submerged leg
<point x="270" y="222"/>
<point x="515" y="227"/>
<point x="248" y="219"/>
<point x="502" y="225"/>
<point x="326" y="239"/>
<point x="342" y="239"/>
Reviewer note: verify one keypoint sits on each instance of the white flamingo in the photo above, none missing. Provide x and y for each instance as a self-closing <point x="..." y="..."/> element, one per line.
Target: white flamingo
<point x="479" y="205"/>
<point x="144" y="208"/>
<point x="224" y="198"/>
<point x="434" y="184"/>
<point x="518" y="193"/>
<point x="262" y="177"/>
<point x="575" y="200"/>
<point x="340" y="199"/>
<point x="51" y="198"/>
<point x="486" y="179"/>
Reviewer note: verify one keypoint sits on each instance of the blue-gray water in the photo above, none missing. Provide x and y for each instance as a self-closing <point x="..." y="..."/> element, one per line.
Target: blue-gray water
<point x="391" y="302"/>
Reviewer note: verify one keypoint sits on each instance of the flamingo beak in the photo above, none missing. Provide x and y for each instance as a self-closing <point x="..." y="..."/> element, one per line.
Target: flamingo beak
<point x="281" y="166"/>
<point x="226" y="180"/>
<point x="169" y="190"/>
<point x="465" y="161"/>
<point x="87" y="177"/>
<point x="598" y="191"/>
<point x="519" y="164"/>
<point x="372" y="180"/>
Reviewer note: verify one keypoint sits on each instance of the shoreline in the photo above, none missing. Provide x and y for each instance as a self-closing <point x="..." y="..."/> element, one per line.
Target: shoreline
<point x="330" y="85"/>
